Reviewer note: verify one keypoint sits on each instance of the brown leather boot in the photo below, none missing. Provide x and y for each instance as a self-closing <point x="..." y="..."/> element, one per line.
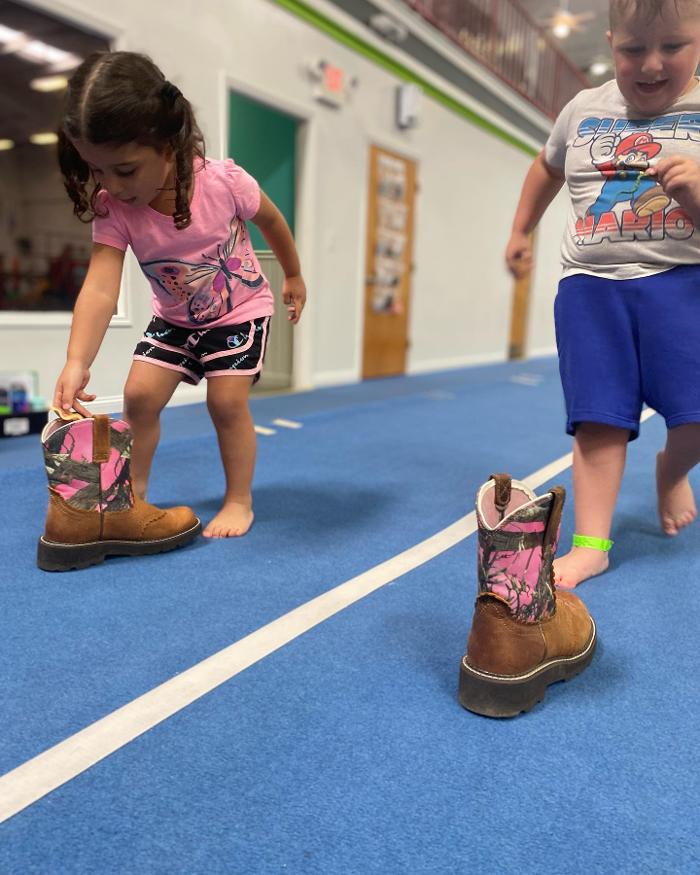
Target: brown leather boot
<point x="525" y="634"/>
<point x="93" y="512"/>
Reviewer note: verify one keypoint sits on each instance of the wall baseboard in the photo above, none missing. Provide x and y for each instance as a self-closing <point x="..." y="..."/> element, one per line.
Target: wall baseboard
<point x="184" y="394"/>
<point x="450" y="364"/>
<point x="541" y="352"/>
<point x="336" y="378"/>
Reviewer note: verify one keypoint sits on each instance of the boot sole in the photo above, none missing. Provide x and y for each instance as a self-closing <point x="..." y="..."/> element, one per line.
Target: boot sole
<point x="494" y="695"/>
<point x="52" y="556"/>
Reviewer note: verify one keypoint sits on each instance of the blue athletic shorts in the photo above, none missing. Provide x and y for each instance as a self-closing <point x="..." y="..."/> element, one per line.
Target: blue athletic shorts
<point x="624" y="343"/>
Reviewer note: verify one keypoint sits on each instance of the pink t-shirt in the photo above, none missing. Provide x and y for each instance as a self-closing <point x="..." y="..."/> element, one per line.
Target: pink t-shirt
<point x="205" y="274"/>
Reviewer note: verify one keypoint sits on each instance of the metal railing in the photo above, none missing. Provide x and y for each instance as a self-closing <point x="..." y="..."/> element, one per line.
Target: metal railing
<point x="502" y="36"/>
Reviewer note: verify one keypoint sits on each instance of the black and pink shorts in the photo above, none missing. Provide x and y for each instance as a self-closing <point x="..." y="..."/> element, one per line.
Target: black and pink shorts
<point x="230" y="350"/>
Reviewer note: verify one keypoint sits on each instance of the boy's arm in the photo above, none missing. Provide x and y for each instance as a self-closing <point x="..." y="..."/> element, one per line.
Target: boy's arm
<point x="541" y="186"/>
<point x="93" y="310"/>
<point x="275" y="230"/>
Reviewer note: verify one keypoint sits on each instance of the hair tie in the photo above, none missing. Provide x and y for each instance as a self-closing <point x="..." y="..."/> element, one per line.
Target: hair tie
<point x="170" y="93"/>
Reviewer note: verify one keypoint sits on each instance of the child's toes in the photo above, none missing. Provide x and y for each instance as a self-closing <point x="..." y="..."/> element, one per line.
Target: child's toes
<point x="669" y="525"/>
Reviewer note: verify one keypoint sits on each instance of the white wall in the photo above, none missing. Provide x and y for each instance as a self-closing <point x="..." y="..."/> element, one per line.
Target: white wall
<point x="469" y="183"/>
<point x="540" y="334"/>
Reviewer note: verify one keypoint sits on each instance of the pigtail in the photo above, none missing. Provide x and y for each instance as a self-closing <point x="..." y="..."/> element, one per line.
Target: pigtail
<point x="187" y="143"/>
<point x="76" y="178"/>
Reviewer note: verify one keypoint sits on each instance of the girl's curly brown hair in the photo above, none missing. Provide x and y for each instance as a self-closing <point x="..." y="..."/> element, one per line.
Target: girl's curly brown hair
<point x="119" y="98"/>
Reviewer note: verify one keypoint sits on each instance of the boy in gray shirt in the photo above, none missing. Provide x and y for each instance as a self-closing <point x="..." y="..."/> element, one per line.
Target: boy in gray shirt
<point x="627" y="311"/>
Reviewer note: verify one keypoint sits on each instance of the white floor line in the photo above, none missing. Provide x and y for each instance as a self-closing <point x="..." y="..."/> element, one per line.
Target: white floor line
<point x="527" y="379"/>
<point x="262" y="429"/>
<point x="286" y="423"/>
<point x="59" y="764"/>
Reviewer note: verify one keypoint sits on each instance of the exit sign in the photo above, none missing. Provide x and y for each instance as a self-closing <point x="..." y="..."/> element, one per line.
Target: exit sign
<point x="330" y="86"/>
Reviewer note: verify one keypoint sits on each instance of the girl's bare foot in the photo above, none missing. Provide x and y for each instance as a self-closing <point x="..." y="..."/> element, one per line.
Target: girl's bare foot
<point x="578" y="565"/>
<point x="233" y="520"/>
<point x="676" y="500"/>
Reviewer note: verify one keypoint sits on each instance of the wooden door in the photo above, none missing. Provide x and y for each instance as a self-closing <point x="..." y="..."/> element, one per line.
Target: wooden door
<point x="392" y="189"/>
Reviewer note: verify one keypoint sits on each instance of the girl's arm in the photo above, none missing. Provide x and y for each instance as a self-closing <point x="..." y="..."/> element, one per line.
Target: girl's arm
<point x="276" y="231"/>
<point x="541" y="186"/>
<point x="94" y="308"/>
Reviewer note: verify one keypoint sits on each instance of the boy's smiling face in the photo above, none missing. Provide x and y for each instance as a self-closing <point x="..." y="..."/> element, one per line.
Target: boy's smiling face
<point x="655" y="61"/>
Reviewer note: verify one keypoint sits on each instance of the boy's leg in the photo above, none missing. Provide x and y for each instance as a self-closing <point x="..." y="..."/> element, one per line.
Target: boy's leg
<point x="599" y="367"/>
<point x="148" y="389"/>
<point x="669" y="331"/>
<point x="599" y="462"/>
<point x="227" y="400"/>
<point x="676" y="500"/>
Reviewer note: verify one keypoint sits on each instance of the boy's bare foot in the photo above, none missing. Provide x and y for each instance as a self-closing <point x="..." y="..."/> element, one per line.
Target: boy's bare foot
<point x="676" y="500"/>
<point x="578" y="565"/>
<point x="233" y="520"/>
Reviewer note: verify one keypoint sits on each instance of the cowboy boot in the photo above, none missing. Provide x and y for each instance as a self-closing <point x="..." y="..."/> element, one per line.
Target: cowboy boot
<point x="93" y="512"/>
<point x="525" y="634"/>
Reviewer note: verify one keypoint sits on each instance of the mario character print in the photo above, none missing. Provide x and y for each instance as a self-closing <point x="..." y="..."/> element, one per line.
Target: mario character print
<point x="623" y="163"/>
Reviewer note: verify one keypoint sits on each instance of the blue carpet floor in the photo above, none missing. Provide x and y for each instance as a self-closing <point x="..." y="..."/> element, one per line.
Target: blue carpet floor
<point x="346" y="751"/>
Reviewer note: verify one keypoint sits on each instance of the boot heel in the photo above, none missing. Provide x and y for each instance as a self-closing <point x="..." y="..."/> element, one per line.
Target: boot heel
<point x="66" y="557"/>
<point x="497" y="696"/>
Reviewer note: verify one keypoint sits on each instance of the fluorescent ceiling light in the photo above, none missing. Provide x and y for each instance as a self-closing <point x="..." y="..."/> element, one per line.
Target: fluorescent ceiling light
<point x="45" y="138"/>
<point x="49" y="83"/>
<point x="6" y="144"/>
<point x="15" y="42"/>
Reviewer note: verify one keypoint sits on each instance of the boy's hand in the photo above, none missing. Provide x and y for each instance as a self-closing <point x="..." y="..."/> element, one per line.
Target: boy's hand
<point x="680" y="179"/>
<point x="69" y="391"/>
<point x="294" y="294"/>
<point x="519" y="254"/>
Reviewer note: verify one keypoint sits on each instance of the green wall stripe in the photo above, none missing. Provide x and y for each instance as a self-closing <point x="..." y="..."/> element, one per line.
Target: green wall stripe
<point x="338" y="33"/>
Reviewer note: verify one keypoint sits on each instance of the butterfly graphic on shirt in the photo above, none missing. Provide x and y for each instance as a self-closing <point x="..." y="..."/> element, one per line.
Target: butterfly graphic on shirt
<point x="207" y="287"/>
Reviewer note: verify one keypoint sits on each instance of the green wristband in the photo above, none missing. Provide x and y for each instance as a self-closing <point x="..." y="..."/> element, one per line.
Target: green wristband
<point x="594" y="543"/>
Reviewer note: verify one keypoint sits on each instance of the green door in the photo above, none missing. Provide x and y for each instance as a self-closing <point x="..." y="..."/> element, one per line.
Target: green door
<point x="263" y="141"/>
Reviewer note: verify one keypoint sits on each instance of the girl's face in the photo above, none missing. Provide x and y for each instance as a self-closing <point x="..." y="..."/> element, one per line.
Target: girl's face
<point x="655" y="62"/>
<point x="133" y="174"/>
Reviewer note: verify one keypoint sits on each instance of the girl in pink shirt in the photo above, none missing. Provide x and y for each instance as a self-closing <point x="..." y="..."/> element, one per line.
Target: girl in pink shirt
<point x="132" y="158"/>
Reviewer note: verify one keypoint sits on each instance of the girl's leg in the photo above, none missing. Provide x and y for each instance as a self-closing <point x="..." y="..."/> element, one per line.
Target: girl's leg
<point x="227" y="400"/>
<point x="148" y="389"/>
<point x="676" y="501"/>
<point x="599" y="461"/>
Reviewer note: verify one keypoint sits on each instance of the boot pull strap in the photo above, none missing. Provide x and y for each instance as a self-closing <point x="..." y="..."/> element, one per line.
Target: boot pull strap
<point x="100" y="438"/>
<point x="502" y="493"/>
<point x="550" y="533"/>
<point x="66" y="415"/>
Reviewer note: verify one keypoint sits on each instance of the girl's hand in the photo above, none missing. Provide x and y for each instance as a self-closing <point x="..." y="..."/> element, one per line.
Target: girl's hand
<point x="680" y="179"/>
<point x="294" y="294"/>
<point x="69" y="391"/>
<point x="519" y="254"/>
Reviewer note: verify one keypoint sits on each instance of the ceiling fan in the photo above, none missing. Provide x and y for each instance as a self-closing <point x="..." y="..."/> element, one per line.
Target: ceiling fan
<point x="562" y="21"/>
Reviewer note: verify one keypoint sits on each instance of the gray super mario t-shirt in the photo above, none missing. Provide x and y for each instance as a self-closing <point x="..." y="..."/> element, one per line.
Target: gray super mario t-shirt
<point x="621" y="224"/>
